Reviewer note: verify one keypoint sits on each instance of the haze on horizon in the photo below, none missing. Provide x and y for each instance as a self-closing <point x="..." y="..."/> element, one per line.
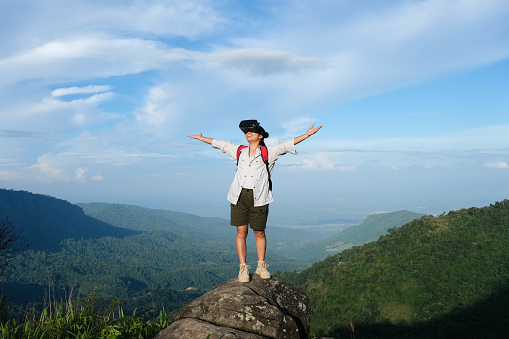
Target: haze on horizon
<point x="97" y="99"/>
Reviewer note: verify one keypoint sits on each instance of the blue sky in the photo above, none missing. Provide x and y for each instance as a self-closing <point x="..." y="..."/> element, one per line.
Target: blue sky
<point x="97" y="99"/>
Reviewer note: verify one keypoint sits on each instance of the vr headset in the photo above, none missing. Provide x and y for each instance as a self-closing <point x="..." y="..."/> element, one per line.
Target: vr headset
<point x="252" y="126"/>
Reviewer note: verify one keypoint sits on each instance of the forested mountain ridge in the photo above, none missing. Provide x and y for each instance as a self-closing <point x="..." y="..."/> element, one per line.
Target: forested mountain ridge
<point x="137" y="251"/>
<point x="46" y="220"/>
<point x="142" y="250"/>
<point x="144" y="219"/>
<point x="435" y="277"/>
<point x="374" y="226"/>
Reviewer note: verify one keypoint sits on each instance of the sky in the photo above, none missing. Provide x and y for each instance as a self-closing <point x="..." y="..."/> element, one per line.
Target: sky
<point x="97" y="99"/>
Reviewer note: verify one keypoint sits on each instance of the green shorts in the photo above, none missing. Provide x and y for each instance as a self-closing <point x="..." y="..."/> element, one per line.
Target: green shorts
<point x="246" y="213"/>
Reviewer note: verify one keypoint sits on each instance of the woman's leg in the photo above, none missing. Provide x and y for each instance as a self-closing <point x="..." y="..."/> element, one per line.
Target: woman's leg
<point x="261" y="244"/>
<point x="240" y="243"/>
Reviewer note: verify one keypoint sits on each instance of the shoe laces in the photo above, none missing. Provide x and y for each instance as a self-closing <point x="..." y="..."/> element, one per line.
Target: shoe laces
<point x="244" y="268"/>
<point x="263" y="265"/>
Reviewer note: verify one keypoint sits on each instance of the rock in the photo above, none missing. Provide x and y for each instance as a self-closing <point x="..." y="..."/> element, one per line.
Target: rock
<point x="262" y="308"/>
<point x="193" y="329"/>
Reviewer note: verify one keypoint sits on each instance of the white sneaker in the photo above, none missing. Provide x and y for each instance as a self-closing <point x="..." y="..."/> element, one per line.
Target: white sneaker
<point x="262" y="270"/>
<point x="244" y="273"/>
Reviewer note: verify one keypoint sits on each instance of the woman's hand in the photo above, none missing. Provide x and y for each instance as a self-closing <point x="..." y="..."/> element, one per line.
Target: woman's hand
<point x="312" y="130"/>
<point x="196" y="136"/>
<point x="201" y="138"/>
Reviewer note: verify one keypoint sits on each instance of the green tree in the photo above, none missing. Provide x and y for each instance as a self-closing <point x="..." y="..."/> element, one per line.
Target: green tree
<point x="11" y="242"/>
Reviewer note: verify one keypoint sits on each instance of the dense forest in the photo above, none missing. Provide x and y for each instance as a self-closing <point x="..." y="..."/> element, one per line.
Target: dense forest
<point x="444" y="276"/>
<point x="123" y="250"/>
<point x="435" y="277"/>
<point x="374" y="226"/>
<point x="46" y="220"/>
<point x="132" y="250"/>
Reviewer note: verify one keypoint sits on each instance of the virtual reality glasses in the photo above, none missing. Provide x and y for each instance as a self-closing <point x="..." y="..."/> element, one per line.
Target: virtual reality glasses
<point x="249" y="126"/>
<point x="252" y="126"/>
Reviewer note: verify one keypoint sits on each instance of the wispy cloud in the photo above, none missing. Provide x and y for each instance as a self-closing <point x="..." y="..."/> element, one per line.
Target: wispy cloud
<point x="97" y="177"/>
<point x="159" y="112"/>
<point x="499" y="164"/>
<point x="68" y="166"/>
<point x="90" y="87"/>
<point x="80" y="90"/>
<point x="36" y="21"/>
<point x="82" y="58"/>
<point x="80" y="174"/>
<point x="297" y="125"/>
<point x="259" y="62"/>
<point x="20" y="134"/>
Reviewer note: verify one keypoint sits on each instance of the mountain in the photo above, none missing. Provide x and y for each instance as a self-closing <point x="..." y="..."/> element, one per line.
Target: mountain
<point x="145" y="256"/>
<point x="374" y="226"/>
<point x="118" y="250"/>
<point x="46" y="221"/>
<point x="435" y="277"/>
<point x="145" y="219"/>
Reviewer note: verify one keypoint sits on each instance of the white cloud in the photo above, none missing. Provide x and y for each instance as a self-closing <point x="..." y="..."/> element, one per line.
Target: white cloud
<point x="499" y="164"/>
<point x="257" y="61"/>
<point x="20" y="134"/>
<point x="10" y="175"/>
<point x="384" y="47"/>
<point x="175" y="18"/>
<point x="46" y="170"/>
<point x="80" y="90"/>
<point x="80" y="174"/>
<point x="318" y="162"/>
<point x="158" y="70"/>
<point x="160" y="109"/>
<point x="83" y="58"/>
<point x="32" y="22"/>
<point x="52" y="114"/>
<point x="66" y="166"/>
<point x="297" y="126"/>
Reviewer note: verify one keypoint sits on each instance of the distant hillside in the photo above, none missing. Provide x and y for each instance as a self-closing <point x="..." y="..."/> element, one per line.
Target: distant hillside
<point x="443" y="277"/>
<point x="131" y="250"/>
<point x="47" y="220"/>
<point x="144" y="219"/>
<point x="374" y="226"/>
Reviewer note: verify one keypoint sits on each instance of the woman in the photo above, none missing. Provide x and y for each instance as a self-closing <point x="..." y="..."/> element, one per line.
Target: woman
<point x="250" y="192"/>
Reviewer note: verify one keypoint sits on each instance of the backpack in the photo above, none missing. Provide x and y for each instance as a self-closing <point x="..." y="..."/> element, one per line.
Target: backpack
<point x="265" y="157"/>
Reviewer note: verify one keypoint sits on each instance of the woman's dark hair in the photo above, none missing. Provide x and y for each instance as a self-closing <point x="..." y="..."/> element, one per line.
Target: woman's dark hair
<point x="262" y="132"/>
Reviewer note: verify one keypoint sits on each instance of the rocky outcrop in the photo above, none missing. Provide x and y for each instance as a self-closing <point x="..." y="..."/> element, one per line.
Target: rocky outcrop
<point x="261" y="308"/>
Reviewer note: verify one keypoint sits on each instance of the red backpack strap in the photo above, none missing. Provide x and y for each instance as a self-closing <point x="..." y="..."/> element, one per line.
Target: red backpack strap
<point x="265" y="154"/>
<point x="265" y="157"/>
<point x="241" y="147"/>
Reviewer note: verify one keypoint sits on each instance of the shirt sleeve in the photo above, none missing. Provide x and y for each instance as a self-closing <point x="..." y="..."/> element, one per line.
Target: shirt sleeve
<point x="280" y="149"/>
<point x="226" y="147"/>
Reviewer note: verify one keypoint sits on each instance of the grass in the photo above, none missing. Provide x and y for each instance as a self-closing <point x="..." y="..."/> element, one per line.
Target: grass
<point x="86" y="318"/>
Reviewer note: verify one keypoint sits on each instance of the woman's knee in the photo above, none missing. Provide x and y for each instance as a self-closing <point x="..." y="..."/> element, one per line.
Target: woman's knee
<point x="259" y="234"/>
<point x="242" y="231"/>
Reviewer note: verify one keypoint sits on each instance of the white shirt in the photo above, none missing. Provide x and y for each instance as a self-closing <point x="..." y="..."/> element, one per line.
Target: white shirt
<point x="254" y="167"/>
<point x="248" y="183"/>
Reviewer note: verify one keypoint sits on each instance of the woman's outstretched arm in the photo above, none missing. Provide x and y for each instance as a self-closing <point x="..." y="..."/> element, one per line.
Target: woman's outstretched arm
<point x="311" y="130"/>
<point x="202" y="138"/>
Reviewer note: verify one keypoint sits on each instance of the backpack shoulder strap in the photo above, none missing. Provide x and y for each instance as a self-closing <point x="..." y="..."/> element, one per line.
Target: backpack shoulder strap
<point x="241" y="147"/>
<point x="265" y="157"/>
<point x="265" y="154"/>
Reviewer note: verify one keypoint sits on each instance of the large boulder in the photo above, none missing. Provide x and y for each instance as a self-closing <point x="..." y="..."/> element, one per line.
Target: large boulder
<point x="262" y="308"/>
